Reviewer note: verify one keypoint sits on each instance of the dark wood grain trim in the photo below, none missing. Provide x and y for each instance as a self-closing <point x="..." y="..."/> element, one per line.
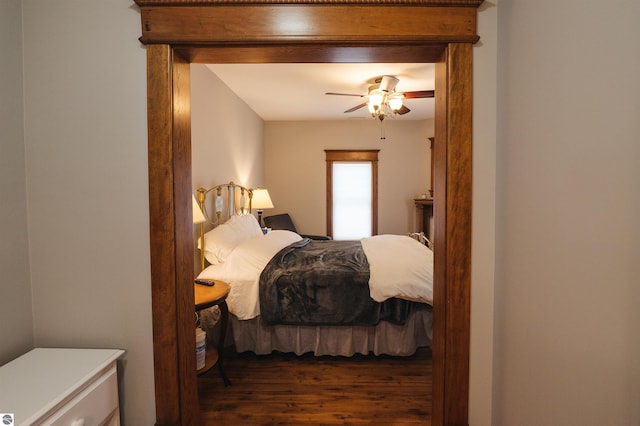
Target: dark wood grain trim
<point x="459" y="206"/>
<point x="452" y="236"/>
<point x="185" y="3"/>
<point x="351" y="154"/>
<point x="374" y="197"/>
<point x="306" y="23"/>
<point x="162" y="234"/>
<point x="185" y="298"/>
<point x="439" y="240"/>
<point x="329" y="198"/>
<point x="312" y="53"/>
<point x="169" y="147"/>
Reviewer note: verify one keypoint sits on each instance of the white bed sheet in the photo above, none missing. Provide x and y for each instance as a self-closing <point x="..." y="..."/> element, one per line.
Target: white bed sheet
<point x="399" y="267"/>
<point x="242" y="268"/>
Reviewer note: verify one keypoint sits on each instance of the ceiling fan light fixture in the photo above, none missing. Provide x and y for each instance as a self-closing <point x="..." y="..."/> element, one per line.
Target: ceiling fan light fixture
<point x="388" y="83"/>
<point x="376" y="98"/>
<point x="383" y="100"/>
<point x="376" y="102"/>
<point x="395" y="103"/>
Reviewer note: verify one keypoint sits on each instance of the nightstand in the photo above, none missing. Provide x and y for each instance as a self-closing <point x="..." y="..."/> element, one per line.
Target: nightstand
<point x="206" y="297"/>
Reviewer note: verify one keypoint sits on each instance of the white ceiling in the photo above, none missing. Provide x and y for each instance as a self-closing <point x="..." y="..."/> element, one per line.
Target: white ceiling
<point x="297" y="91"/>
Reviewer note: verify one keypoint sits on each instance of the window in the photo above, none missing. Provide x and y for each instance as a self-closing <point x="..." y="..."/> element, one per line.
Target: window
<point x="352" y="193"/>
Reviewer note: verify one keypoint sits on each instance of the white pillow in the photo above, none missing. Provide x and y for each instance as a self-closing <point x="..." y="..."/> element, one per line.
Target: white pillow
<point x="222" y="239"/>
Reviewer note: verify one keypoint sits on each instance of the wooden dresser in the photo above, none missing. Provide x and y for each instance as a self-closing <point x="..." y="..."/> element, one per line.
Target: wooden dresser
<point x="424" y="208"/>
<point x="71" y="387"/>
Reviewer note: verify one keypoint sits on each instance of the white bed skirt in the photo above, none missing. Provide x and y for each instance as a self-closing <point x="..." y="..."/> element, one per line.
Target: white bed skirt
<point x="384" y="338"/>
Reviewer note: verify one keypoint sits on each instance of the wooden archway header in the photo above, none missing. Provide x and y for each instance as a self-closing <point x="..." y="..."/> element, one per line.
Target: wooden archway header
<point x="206" y="22"/>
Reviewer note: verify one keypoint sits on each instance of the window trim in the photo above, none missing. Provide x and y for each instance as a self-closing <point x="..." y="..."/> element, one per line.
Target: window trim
<point x="352" y="155"/>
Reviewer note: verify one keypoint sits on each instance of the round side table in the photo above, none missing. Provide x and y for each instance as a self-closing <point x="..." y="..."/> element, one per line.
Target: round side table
<point x="206" y="297"/>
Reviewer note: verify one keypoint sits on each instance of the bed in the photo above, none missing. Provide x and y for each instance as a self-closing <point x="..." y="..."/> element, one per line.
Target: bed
<point x="293" y="294"/>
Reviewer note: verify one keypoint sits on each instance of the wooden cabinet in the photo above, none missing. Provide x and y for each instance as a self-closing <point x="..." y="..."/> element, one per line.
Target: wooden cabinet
<point x="424" y="207"/>
<point x="431" y="142"/>
<point x="53" y="386"/>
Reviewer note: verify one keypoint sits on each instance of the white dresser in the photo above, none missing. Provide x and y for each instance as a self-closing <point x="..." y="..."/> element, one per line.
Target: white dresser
<point x="71" y="387"/>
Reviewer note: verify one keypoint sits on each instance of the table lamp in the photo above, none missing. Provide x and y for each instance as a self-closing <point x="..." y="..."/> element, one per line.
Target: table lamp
<point x="260" y="201"/>
<point x="198" y="217"/>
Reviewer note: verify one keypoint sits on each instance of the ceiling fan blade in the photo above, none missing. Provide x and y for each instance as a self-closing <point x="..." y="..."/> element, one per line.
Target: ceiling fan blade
<point x="344" y="94"/>
<point x="419" y="94"/>
<point x="403" y="110"/>
<point x="356" y="107"/>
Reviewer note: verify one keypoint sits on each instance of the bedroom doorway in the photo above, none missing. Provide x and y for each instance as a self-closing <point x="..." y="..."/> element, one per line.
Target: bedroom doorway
<point x="187" y="32"/>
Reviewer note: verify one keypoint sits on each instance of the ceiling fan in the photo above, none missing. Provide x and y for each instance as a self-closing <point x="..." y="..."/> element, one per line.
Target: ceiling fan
<point x="383" y="100"/>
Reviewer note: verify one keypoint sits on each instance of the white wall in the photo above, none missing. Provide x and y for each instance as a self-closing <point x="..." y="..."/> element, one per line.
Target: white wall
<point x="295" y="168"/>
<point x="567" y="348"/>
<point x="226" y="135"/>
<point x="86" y="149"/>
<point x="483" y="218"/>
<point x="16" y="326"/>
<point x="226" y="139"/>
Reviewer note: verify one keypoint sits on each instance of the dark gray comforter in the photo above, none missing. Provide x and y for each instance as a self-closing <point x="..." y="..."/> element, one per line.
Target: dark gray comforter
<point x="324" y="283"/>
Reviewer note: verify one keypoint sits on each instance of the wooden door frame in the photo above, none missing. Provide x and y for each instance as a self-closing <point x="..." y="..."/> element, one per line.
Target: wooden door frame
<point x="179" y="32"/>
<point x="351" y="155"/>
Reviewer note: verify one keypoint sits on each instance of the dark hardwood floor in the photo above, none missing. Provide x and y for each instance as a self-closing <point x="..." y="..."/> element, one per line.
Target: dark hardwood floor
<point x="284" y="389"/>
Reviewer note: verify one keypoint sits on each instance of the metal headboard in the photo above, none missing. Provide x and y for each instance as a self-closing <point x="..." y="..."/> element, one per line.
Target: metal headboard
<point x="231" y="189"/>
<point x="419" y="236"/>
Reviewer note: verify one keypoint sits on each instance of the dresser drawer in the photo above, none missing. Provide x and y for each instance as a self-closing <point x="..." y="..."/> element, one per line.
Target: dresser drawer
<point x="95" y="405"/>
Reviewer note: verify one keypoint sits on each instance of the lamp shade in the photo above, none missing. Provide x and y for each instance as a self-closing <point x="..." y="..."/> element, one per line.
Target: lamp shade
<point x="376" y="99"/>
<point x="395" y="103"/>
<point x="198" y="217"/>
<point x="261" y="199"/>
